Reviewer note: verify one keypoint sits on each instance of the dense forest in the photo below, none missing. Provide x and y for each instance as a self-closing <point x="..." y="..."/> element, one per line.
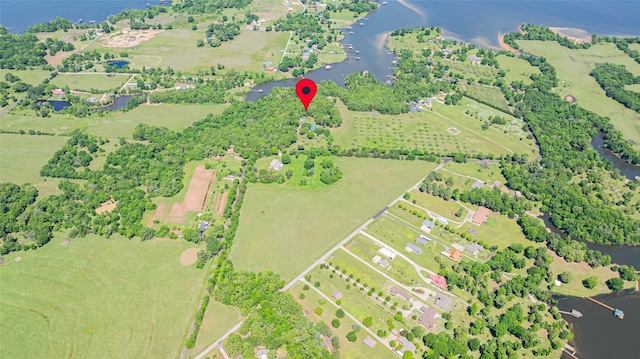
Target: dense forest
<point x="613" y="79"/>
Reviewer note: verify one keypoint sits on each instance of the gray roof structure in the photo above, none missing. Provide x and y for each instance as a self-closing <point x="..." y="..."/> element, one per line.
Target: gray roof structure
<point x="422" y="240"/>
<point x="412" y="247"/>
<point x="443" y="302"/>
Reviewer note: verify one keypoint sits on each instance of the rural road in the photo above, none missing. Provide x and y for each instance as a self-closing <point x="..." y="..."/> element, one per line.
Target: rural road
<point x="219" y="341"/>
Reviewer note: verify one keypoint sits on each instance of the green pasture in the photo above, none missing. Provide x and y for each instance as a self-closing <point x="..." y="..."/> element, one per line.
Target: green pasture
<point x="31" y="77"/>
<point x="177" y="48"/>
<point x="285" y="229"/>
<point x="573" y="67"/>
<point x="90" y="82"/>
<point x="114" y="124"/>
<point x="437" y="205"/>
<point x="24" y="155"/>
<point x="475" y="170"/>
<point x="516" y="68"/>
<point x="348" y="350"/>
<point x="218" y="319"/>
<point x="499" y="231"/>
<point x="488" y="95"/>
<point x="635" y="87"/>
<point x="97" y="297"/>
<point x="428" y="130"/>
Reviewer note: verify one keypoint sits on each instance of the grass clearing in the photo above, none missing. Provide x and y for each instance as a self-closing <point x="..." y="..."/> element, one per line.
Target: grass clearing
<point x="488" y="95"/>
<point x="476" y="170"/>
<point x="177" y="48"/>
<point x="89" y="82"/>
<point x="285" y="229"/>
<point x="77" y="294"/>
<point x="218" y="319"/>
<point x="23" y="156"/>
<point x="447" y="209"/>
<point x="517" y="69"/>
<point x="428" y="130"/>
<point x="500" y="231"/>
<point x="573" y="67"/>
<point x="31" y="77"/>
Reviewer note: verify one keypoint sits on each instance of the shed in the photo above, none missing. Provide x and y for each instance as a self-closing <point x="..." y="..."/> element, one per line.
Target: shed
<point x="442" y="220"/>
<point x="384" y="263"/>
<point x="275" y="165"/>
<point x="336" y="295"/>
<point x="413" y="248"/>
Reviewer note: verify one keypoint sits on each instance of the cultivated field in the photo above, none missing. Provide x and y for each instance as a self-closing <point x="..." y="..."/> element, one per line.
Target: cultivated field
<point x="97" y="297"/>
<point x="488" y="95"/>
<point x="517" y="69"/>
<point x="22" y="157"/>
<point x="195" y="197"/>
<point x="428" y="130"/>
<point x="115" y="124"/>
<point x="177" y="48"/>
<point x="90" y="82"/>
<point x="573" y="67"/>
<point x="285" y="229"/>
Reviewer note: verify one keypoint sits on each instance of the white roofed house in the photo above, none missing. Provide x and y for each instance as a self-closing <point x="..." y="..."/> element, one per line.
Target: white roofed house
<point x="427" y="225"/>
<point x="386" y="252"/>
<point x="275" y="165"/>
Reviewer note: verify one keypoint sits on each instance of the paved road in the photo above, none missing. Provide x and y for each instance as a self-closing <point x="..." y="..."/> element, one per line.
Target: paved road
<point x="219" y="341"/>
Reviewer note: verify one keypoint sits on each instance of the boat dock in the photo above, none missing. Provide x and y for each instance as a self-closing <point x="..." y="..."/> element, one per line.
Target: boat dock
<point x="570" y="350"/>
<point x="617" y="312"/>
<point x="573" y="313"/>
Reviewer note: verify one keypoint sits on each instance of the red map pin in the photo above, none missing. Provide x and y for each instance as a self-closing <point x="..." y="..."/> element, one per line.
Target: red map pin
<point x="306" y="89"/>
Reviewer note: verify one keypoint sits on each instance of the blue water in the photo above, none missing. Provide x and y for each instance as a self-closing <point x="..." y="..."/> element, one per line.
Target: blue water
<point x="59" y="105"/>
<point x="119" y="64"/>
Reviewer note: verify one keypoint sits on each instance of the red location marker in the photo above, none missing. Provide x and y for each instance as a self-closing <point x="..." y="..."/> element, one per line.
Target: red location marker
<point x="306" y="89"/>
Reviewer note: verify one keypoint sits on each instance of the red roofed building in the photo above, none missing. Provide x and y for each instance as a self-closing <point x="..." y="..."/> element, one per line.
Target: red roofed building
<point x="455" y="255"/>
<point x="58" y="92"/>
<point x="438" y="280"/>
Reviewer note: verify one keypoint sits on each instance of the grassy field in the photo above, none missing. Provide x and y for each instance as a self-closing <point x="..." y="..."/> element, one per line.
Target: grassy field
<point x="348" y="350"/>
<point x="97" y="297"/>
<point x="447" y="209"/>
<point x="488" y="95"/>
<point x="428" y="130"/>
<point x="285" y="229"/>
<point x="89" y="82"/>
<point x="23" y="156"/>
<point x="218" y="319"/>
<point x="31" y="77"/>
<point x="517" y="69"/>
<point x="115" y="124"/>
<point x="177" y="48"/>
<point x="573" y="67"/>
<point x="500" y="231"/>
<point x="475" y="170"/>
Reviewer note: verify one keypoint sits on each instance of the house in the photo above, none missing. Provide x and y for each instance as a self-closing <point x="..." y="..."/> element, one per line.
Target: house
<point x="442" y="220"/>
<point x="336" y="295"/>
<point x="58" y="92"/>
<point x="475" y="59"/>
<point x="275" y="165"/>
<point x="422" y="240"/>
<point x="370" y="342"/>
<point x="481" y="216"/>
<point x="395" y="290"/>
<point x="428" y="317"/>
<point x="384" y="263"/>
<point x="454" y="255"/>
<point x="386" y="252"/>
<point x="413" y="248"/>
<point x="497" y="183"/>
<point x="407" y="346"/>
<point x="427" y="225"/>
<point x="443" y="302"/>
<point x="438" y="281"/>
<point x="474" y="248"/>
<point x="518" y="194"/>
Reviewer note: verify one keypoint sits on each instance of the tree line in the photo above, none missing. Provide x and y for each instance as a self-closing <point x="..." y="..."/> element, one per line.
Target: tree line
<point x="613" y="79"/>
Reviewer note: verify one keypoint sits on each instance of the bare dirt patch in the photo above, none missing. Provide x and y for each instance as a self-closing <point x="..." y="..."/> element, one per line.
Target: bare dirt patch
<point x="223" y="203"/>
<point x="195" y="196"/>
<point x="56" y="60"/>
<point x="18" y="259"/>
<point x="107" y="206"/>
<point x="157" y="215"/>
<point x="66" y="242"/>
<point x="504" y="45"/>
<point x="570" y="99"/>
<point x="579" y="36"/>
<point x="130" y="38"/>
<point x="189" y="256"/>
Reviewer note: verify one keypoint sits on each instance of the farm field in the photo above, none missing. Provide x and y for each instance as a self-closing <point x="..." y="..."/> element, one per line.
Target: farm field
<point x="218" y="319"/>
<point x="90" y="82"/>
<point x="348" y="350"/>
<point x="429" y="130"/>
<point x="517" y="69"/>
<point x="177" y="48"/>
<point x="115" y="124"/>
<point x="573" y="67"/>
<point x="488" y="95"/>
<point x="285" y="229"/>
<point x="24" y="155"/>
<point x="62" y="301"/>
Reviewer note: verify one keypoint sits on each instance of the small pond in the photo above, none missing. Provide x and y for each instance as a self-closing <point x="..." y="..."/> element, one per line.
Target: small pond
<point x="59" y="105"/>
<point x="119" y="64"/>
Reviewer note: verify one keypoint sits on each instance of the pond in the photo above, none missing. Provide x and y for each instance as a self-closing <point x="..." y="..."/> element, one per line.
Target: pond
<point x="119" y="64"/>
<point x="59" y="105"/>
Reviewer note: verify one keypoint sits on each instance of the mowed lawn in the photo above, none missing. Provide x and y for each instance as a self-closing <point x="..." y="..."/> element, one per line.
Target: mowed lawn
<point x="285" y="229"/>
<point x="22" y="157"/>
<point x="98" y="298"/>
<point x="90" y="81"/>
<point x="428" y="130"/>
<point x="177" y="49"/>
<point x="573" y="67"/>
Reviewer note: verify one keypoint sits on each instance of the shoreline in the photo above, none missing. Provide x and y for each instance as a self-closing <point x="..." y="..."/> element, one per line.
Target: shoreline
<point x="504" y="45"/>
<point x="579" y="36"/>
